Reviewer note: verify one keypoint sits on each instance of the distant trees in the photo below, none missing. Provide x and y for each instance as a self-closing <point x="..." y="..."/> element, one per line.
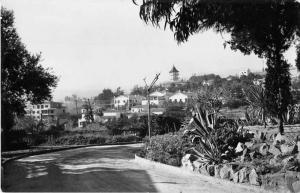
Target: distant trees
<point x="105" y="97"/>
<point x="22" y="76"/>
<point x="206" y="77"/>
<point x="118" y="92"/>
<point x="89" y="111"/>
<point x="266" y="29"/>
<point x="139" y="90"/>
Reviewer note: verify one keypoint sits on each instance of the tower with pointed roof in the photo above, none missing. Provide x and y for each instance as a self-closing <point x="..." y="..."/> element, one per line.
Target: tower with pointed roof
<point x="174" y="74"/>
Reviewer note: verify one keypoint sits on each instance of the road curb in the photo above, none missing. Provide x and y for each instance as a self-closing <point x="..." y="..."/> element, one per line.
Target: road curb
<point x="59" y="149"/>
<point x="178" y="170"/>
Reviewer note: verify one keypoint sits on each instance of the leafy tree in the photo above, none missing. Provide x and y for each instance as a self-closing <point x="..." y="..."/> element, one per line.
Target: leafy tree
<point x="266" y="28"/>
<point x="105" y="97"/>
<point x="119" y="92"/>
<point x="139" y="91"/>
<point x="89" y="112"/>
<point x="23" y="77"/>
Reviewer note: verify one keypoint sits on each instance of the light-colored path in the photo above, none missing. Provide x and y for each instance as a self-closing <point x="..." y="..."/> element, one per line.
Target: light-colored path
<point x="99" y="169"/>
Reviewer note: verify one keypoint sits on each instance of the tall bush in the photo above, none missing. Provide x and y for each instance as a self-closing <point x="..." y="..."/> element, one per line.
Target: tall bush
<point x="167" y="148"/>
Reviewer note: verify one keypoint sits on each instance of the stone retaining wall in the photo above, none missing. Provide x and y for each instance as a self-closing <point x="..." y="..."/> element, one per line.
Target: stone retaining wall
<point x="181" y="170"/>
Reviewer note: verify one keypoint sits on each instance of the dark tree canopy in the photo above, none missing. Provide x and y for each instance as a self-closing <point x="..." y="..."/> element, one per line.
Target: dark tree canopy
<point x="118" y="92"/>
<point x="138" y="90"/>
<point x="266" y="28"/>
<point x="22" y="76"/>
<point x="250" y="22"/>
<point x="106" y="96"/>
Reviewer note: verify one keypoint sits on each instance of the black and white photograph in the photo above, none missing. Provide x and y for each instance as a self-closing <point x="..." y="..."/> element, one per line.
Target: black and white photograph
<point x="169" y="96"/>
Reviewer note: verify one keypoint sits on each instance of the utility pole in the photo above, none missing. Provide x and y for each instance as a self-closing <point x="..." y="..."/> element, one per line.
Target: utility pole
<point x="76" y="107"/>
<point x="148" y="97"/>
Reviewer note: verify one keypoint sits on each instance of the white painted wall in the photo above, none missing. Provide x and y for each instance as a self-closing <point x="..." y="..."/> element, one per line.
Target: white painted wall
<point x="178" y="97"/>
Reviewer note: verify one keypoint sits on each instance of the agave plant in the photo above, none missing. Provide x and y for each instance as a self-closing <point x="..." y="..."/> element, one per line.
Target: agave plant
<point x="199" y="129"/>
<point x="255" y="97"/>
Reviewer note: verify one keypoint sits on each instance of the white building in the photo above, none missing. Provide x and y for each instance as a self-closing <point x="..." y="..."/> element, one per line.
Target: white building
<point x="156" y="98"/>
<point x="110" y="115"/>
<point x="207" y="82"/>
<point x="244" y="73"/>
<point x="137" y="109"/>
<point x="45" y="110"/>
<point x="181" y="97"/>
<point x="83" y="121"/>
<point x="127" y="101"/>
<point x="158" y="111"/>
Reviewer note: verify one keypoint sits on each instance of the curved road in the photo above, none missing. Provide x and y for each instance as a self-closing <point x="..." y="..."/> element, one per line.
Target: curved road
<point x="98" y="169"/>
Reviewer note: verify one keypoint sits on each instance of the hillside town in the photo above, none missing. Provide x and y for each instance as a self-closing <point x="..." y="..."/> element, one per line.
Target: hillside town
<point x="137" y="104"/>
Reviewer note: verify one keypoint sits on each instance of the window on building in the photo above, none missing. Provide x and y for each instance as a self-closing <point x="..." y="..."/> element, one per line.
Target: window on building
<point x="51" y="111"/>
<point x="46" y="106"/>
<point x="38" y="106"/>
<point x="42" y="106"/>
<point x="38" y="112"/>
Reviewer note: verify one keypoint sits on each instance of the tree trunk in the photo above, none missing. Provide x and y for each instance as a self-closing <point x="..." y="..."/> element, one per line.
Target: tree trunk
<point x="264" y="118"/>
<point x="281" y="130"/>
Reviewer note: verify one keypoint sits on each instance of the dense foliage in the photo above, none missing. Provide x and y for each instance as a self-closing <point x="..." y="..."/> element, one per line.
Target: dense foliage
<point x="212" y="140"/>
<point x="266" y="28"/>
<point x="22" y="76"/>
<point x="105" y="97"/>
<point x="160" y="124"/>
<point x="256" y="99"/>
<point x="227" y="134"/>
<point x="167" y="148"/>
<point x="94" y="138"/>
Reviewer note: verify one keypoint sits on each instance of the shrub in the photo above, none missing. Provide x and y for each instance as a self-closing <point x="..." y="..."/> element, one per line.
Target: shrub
<point x="199" y="130"/>
<point x="94" y="138"/>
<point x="125" y="138"/>
<point x="167" y="149"/>
<point x="211" y="141"/>
<point x="229" y="135"/>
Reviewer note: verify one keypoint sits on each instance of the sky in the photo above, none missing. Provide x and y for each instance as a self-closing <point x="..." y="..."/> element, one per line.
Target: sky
<point x="95" y="44"/>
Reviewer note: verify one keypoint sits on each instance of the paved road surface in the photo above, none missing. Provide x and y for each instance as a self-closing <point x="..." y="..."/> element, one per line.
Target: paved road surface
<point x="98" y="169"/>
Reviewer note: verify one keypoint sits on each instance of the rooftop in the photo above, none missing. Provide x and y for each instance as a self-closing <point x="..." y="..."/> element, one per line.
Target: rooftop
<point x="173" y="70"/>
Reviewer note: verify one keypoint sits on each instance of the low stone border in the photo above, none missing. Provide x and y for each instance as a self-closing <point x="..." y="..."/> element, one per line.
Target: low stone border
<point x="50" y="149"/>
<point x="179" y="170"/>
